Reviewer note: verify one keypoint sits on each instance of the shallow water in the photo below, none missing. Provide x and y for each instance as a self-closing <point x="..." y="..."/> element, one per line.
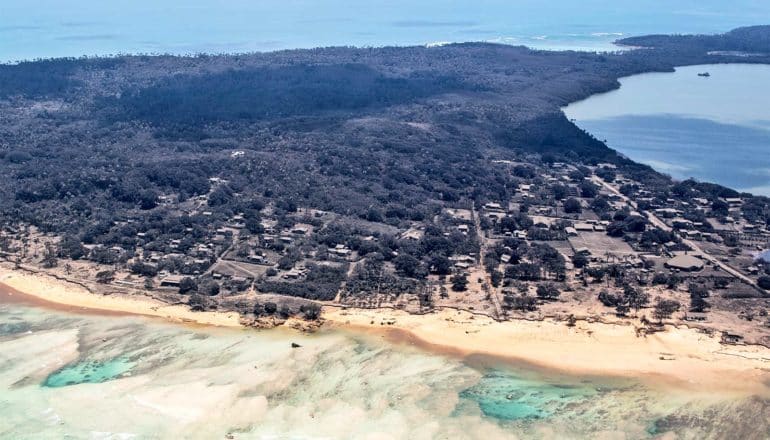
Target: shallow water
<point x="46" y="28"/>
<point x="71" y="376"/>
<point x="715" y="129"/>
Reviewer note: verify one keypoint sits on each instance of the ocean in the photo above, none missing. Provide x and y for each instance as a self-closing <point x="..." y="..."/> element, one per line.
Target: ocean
<point x="74" y="376"/>
<point x="53" y="28"/>
<point x="714" y="129"/>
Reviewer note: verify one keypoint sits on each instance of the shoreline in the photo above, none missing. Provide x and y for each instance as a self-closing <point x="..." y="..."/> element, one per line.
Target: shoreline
<point x="657" y="161"/>
<point x="678" y="356"/>
<point x="50" y="292"/>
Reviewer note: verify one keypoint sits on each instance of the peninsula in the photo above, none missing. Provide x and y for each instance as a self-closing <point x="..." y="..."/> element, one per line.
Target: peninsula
<point x="439" y="192"/>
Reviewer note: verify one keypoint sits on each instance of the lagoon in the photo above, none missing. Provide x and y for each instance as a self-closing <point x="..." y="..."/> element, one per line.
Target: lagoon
<point x="714" y="129"/>
<point x="64" y="375"/>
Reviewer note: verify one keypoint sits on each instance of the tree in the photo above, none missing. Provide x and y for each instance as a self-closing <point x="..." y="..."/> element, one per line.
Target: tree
<point x="70" y="247"/>
<point x="572" y="206"/>
<point x="187" y="285"/>
<point x="698" y="304"/>
<point x="559" y="191"/>
<point x="609" y="299"/>
<point x="254" y="225"/>
<point x="459" y="283"/>
<point x="580" y="260"/>
<point x="597" y="273"/>
<point x="310" y="311"/>
<point x="49" y="256"/>
<point x="764" y="282"/>
<point x="196" y="302"/>
<point x="406" y="265"/>
<point x="588" y="190"/>
<point x="522" y="303"/>
<point x="496" y="277"/>
<point x="210" y="288"/>
<point x="105" y="276"/>
<point x="548" y="292"/>
<point x="271" y="308"/>
<point x="441" y="265"/>
<point x="664" y="308"/>
<point x="635" y="298"/>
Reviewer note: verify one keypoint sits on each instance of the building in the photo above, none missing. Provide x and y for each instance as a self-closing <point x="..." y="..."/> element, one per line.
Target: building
<point x="171" y="281"/>
<point x="686" y="263"/>
<point x="584" y="227"/>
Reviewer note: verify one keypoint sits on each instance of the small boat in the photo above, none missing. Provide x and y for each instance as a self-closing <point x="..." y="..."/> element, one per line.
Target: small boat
<point x="704" y="74"/>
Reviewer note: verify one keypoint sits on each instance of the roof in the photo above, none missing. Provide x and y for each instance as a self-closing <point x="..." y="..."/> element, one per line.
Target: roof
<point x="584" y="226"/>
<point x="172" y="279"/>
<point x="685" y="262"/>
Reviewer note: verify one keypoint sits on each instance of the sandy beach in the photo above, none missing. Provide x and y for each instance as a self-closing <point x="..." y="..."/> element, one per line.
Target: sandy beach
<point x="48" y="291"/>
<point x="684" y="356"/>
<point x="681" y="356"/>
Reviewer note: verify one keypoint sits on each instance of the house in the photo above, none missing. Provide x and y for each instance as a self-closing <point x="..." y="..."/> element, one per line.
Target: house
<point x="299" y="230"/>
<point x="571" y="232"/>
<point x="584" y="227"/>
<point x="340" y="250"/>
<point x="293" y="274"/>
<point x="692" y="234"/>
<point x="695" y="317"/>
<point x="412" y="234"/>
<point x="731" y="338"/>
<point x="681" y="223"/>
<point x="667" y="212"/>
<point x="686" y="263"/>
<point x="171" y="281"/>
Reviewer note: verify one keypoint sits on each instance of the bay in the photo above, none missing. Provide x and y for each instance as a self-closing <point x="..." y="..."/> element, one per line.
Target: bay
<point x="714" y="129"/>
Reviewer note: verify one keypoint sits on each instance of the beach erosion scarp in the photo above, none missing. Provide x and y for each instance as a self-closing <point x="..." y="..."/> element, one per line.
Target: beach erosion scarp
<point x="48" y="291"/>
<point x="682" y="357"/>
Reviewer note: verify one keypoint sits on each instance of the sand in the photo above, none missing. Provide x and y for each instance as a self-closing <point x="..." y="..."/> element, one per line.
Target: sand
<point x="684" y="356"/>
<point x="42" y="289"/>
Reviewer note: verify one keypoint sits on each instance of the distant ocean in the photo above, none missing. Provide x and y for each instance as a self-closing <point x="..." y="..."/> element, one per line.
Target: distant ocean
<point x="56" y="28"/>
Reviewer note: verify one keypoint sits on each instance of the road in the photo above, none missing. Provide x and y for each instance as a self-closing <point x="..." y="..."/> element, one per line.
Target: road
<point x="656" y="221"/>
<point x="493" y="291"/>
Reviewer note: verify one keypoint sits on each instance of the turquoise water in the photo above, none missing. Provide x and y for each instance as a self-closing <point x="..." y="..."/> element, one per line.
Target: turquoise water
<point x="83" y="377"/>
<point x="506" y="396"/>
<point x="89" y="372"/>
<point x="714" y="129"/>
<point x="45" y="28"/>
